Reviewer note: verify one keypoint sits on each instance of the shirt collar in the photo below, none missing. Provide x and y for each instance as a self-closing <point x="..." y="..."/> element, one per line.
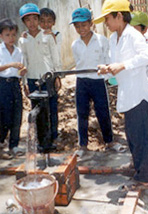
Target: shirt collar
<point x="123" y="33"/>
<point x="4" y="46"/>
<point x="92" y="38"/>
<point x="126" y="29"/>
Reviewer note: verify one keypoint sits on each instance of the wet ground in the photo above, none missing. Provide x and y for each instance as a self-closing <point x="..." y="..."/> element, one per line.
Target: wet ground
<point x="98" y="193"/>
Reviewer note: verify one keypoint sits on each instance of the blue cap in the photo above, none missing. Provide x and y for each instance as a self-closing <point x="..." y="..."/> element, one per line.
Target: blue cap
<point x="28" y="9"/>
<point x="81" y="15"/>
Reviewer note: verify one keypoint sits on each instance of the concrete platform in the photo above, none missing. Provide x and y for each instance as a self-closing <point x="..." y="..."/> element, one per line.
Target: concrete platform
<point x="101" y="178"/>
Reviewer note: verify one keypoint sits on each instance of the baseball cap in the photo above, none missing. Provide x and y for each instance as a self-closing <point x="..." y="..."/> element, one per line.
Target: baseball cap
<point x="81" y="15"/>
<point x="110" y="6"/>
<point x="139" y="18"/>
<point x="28" y="9"/>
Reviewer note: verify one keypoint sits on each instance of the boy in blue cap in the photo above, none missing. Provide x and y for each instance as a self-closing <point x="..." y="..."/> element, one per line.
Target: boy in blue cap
<point x="41" y="55"/>
<point x="89" y="50"/>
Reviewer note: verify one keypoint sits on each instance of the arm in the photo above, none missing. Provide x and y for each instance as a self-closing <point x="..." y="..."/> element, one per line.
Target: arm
<point x="17" y="65"/>
<point x="54" y="53"/>
<point x="48" y="31"/>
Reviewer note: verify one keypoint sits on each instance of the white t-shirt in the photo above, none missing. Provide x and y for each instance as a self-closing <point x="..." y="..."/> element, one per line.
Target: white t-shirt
<point x="91" y="55"/>
<point x="6" y="58"/>
<point x="131" y="50"/>
<point x="40" y="54"/>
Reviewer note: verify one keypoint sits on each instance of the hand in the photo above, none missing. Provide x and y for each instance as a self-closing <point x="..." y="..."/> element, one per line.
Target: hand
<point x="17" y="65"/>
<point x="48" y="31"/>
<point x="22" y="71"/>
<point x="57" y="84"/>
<point x="115" y="68"/>
<point x="103" y="69"/>
<point x="24" y="34"/>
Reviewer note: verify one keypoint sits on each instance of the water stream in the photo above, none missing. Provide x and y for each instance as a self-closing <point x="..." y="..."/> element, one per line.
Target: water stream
<point x="31" y="150"/>
<point x="34" y="184"/>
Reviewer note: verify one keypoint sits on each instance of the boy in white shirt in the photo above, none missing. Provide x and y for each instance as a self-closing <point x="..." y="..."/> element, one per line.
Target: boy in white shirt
<point x="129" y="58"/>
<point x="11" y="71"/>
<point x="89" y="50"/>
<point x="47" y="21"/>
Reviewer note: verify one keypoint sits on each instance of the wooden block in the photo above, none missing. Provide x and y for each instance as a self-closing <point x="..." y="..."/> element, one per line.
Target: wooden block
<point x="64" y="170"/>
<point x="61" y="200"/>
<point x="130" y="202"/>
<point x="8" y="171"/>
<point x="84" y="169"/>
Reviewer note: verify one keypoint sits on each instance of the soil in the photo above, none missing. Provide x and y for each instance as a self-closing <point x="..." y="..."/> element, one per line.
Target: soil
<point x="68" y="139"/>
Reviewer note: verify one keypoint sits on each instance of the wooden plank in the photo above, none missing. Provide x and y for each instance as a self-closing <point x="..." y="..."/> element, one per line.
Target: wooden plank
<point x="130" y="202"/>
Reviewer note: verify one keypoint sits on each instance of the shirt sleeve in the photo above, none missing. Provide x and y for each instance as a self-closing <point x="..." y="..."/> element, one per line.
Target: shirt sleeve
<point x="24" y="57"/>
<point x="56" y="60"/>
<point x="75" y="55"/>
<point x="105" y="49"/>
<point x="141" y="53"/>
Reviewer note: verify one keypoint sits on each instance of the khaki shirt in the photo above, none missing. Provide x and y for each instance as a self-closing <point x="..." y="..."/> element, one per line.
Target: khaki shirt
<point x="40" y="54"/>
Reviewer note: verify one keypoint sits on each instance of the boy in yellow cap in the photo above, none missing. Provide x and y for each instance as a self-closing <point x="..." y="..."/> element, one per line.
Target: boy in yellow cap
<point x="129" y="58"/>
<point x="140" y="22"/>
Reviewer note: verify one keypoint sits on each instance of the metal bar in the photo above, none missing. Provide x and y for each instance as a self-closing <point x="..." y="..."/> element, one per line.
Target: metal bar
<point x="72" y="72"/>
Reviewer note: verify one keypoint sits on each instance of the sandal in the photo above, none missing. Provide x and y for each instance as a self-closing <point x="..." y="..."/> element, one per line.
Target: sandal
<point x="134" y="187"/>
<point x="5" y="155"/>
<point x="117" y="147"/>
<point x="16" y="151"/>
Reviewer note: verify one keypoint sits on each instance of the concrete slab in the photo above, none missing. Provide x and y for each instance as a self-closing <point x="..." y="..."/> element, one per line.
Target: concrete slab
<point x="98" y="193"/>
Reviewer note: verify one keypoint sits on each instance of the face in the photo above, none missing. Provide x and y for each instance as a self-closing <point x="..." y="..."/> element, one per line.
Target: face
<point x="8" y="37"/>
<point x="46" y="22"/>
<point x="83" y="28"/>
<point x="140" y="30"/>
<point x="31" y="22"/>
<point x="111" y="22"/>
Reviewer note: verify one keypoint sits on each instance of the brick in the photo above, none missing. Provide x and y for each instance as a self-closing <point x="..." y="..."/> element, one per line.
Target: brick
<point x="8" y="171"/>
<point x="83" y="169"/>
<point x="101" y="170"/>
<point x="20" y="172"/>
<point x="72" y="161"/>
<point x="65" y="169"/>
<point x="62" y="189"/>
<point x="61" y="200"/>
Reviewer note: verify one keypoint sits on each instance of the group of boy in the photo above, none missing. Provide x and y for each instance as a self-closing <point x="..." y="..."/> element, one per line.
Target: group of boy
<point x="29" y="65"/>
<point x="128" y="63"/>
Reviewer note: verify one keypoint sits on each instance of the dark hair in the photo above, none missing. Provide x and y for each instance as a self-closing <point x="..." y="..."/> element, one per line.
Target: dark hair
<point x="30" y="15"/>
<point x="126" y="16"/>
<point x="7" y="24"/>
<point x="48" y="12"/>
<point x="142" y="27"/>
<point x="131" y="7"/>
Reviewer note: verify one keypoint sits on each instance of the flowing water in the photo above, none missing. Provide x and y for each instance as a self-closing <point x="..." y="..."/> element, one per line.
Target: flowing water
<point x="31" y="150"/>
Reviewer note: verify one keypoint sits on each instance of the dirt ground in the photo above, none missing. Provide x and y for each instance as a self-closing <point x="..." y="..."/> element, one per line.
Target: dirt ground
<point x="68" y="139"/>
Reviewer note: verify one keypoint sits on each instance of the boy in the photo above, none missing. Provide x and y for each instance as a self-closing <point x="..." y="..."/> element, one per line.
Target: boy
<point x="41" y="55"/>
<point x="47" y="21"/>
<point x="129" y="57"/>
<point x="140" y="22"/>
<point x="88" y="51"/>
<point x="11" y="71"/>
